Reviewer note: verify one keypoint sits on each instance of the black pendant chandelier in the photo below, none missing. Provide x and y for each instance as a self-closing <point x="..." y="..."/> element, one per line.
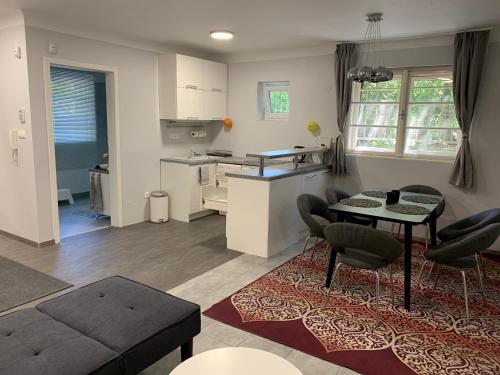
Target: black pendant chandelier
<point x="372" y="68"/>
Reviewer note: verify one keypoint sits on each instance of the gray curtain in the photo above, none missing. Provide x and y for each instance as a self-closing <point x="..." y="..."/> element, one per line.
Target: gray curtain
<point x="344" y="60"/>
<point x="470" y="51"/>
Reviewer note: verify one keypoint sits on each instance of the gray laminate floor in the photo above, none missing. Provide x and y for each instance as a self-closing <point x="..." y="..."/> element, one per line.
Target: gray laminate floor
<point x="160" y="255"/>
<point x="75" y="219"/>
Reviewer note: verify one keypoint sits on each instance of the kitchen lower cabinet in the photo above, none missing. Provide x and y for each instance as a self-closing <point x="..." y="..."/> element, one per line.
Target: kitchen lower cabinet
<point x="182" y="184"/>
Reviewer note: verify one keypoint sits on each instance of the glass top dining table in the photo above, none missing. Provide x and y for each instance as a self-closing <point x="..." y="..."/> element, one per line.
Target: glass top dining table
<point x="383" y="214"/>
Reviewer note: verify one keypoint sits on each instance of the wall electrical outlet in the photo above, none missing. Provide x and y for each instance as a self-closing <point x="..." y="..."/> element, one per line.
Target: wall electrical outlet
<point x="147" y="194"/>
<point x="174" y="136"/>
<point x="198" y="133"/>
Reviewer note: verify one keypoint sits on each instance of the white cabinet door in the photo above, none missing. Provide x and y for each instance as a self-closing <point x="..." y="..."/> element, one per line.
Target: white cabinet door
<point x="189" y="72"/>
<point x="195" y="198"/>
<point x="214" y="105"/>
<point x="189" y="104"/>
<point x="214" y="76"/>
<point x="197" y="191"/>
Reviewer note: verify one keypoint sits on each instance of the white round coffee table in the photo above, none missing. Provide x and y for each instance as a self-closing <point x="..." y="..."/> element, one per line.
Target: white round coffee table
<point x="231" y="361"/>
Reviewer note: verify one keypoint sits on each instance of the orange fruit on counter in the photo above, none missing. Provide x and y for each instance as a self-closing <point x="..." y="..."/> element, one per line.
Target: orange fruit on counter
<point x="228" y="123"/>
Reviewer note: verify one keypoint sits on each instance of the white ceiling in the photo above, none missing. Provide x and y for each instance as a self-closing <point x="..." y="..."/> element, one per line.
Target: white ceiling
<point x="257" y="24"/>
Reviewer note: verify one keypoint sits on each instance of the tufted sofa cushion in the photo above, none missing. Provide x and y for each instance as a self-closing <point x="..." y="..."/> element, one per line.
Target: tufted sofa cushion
<point x="33" y="343"/>
<point x="140" y="322"/>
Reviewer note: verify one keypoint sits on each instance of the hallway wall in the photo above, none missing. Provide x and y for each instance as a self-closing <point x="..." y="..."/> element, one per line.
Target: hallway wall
<point x="18" y="208"/>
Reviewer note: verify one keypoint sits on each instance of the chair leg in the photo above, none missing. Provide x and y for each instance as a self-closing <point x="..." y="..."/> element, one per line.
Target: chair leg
<point x="333" y="279"/>
<point x="426" y="236"/>
<point x="377" y="296"/>
<point x="392" y="228"/>
<point x="392" y="284"/>
<point x="464" y="279"/>
<point x="430" y="270"/>
<point x="478" y="257"/>
<point x="399" y="231"/>
<point x="303" y="251"/>
<point x="314" y="248"/>
<point x="437" y="276"/>
<point x="420" y="273"/>
<point x="482" y="266"/>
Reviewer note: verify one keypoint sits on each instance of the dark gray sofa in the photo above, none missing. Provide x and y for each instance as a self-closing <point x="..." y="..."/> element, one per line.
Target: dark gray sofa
<point x="113" y="326"/>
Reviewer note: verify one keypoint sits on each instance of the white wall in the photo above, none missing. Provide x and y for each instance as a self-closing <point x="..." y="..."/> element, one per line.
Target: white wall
<point x="18" y="214"/>
<point x="143" y="141"/>
<point x="312" y="97"/>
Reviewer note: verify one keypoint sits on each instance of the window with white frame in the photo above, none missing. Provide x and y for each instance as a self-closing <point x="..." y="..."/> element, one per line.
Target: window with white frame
<point x="411" y="116"/>
<point x="275" y="101"/>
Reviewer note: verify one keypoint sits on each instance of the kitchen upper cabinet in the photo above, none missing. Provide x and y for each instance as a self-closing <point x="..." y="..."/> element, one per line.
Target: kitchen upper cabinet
<point x="192" y="88"/>
<point x="189" y="104"/>
<point x="214" y="105"/>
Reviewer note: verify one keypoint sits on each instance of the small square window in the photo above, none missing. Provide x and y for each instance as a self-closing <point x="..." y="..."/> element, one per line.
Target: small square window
<point x="274" y="101"/>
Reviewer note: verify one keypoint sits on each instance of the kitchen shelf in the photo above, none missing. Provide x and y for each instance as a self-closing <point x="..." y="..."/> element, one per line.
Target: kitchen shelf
<point x="295" y="152"/>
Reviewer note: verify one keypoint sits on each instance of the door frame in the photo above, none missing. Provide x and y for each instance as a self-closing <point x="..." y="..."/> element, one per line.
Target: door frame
<point x="115" y="170"/>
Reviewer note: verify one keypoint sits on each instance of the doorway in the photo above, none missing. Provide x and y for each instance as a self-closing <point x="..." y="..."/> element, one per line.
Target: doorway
<point x="84" y="160"/>
<point x="81" y="149"/>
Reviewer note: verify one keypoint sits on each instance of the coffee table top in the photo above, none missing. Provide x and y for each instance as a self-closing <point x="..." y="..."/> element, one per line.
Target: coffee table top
<point x="241" y="361"/>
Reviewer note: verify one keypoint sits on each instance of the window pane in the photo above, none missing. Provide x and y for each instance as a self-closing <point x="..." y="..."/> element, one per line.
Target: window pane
<point x="431" y="106"/>
<point x="373" y="116"/>
<point x="443" y="142"/>
<point x="278" y="100"/>
<point x="376" y="114"/>
<point x="431" y="90"/>
<point x="439" y="115"/>
<point x="375" y="139"/>
<point x="377" y="92"/>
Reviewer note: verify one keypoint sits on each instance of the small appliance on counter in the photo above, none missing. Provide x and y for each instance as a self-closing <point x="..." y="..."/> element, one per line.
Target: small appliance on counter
<point x="220" y="153"/>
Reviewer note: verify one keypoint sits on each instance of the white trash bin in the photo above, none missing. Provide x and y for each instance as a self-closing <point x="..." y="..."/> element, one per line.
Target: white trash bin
<point x="158" y="204"/>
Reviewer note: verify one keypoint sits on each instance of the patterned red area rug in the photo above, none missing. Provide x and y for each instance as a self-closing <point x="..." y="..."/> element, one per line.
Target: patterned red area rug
<point x="289" y="305"/>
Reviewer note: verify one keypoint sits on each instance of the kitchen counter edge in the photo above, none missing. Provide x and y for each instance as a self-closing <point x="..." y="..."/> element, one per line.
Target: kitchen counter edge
<point x="276" y="174"/>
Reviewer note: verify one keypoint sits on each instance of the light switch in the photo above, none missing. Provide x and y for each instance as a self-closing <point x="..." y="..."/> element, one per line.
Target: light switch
<point x="21" y="134"/>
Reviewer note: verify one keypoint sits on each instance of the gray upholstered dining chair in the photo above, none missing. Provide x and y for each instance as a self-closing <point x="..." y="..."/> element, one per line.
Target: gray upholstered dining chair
<point x="335" y="195"/>
<point x="468" y="225"/>
<point x="424" y="189"/>
<point x="310" y="206"/>
<point x="363" y="247"/>
<point x="462" y="254"/>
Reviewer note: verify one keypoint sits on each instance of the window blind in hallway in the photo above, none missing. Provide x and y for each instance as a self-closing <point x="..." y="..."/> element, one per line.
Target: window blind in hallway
<point x="73" y="105"/>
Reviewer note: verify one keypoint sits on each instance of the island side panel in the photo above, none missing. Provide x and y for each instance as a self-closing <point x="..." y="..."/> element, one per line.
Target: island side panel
<point x="247" y="220"/>
<point x="286" y="227"/>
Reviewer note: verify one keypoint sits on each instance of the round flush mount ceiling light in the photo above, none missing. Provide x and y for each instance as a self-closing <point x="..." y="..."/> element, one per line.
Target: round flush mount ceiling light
<point x="221" y="34"/>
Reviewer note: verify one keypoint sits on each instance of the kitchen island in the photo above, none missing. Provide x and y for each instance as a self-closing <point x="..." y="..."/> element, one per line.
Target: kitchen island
<point x="262" y="216"/>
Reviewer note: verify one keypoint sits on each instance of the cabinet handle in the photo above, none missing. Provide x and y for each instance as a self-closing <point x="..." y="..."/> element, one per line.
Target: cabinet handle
<point x="192" y="118"/>
<point x="194" y="87"/>
<point x="216" y="118"/>
<point x="216" y="89"/>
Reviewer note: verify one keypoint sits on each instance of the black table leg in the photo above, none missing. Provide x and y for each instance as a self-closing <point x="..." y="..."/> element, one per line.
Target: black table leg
<point x="331" y="266"/>
<point x="407" y="265"/>
<point x="433" y="224"/>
